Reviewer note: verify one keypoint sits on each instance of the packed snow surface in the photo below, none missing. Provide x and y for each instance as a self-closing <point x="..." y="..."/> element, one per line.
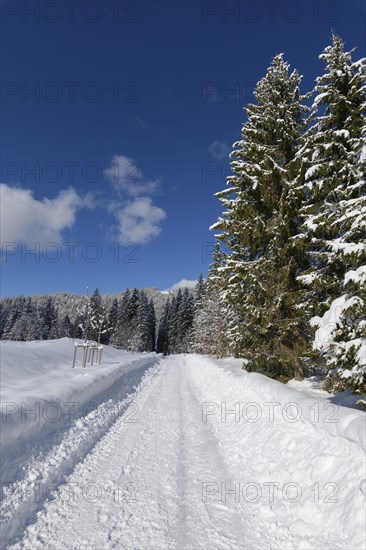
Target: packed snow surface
<point x="181" y="452"/>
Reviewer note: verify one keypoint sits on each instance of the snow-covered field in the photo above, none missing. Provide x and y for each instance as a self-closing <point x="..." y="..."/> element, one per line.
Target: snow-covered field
<point x="147" y="452"/>
<point x="41" y="394"/>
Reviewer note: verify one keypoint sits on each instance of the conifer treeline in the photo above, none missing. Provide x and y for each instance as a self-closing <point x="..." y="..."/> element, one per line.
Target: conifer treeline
<point x="129" y="323"/>
<point x="293" y="231"/>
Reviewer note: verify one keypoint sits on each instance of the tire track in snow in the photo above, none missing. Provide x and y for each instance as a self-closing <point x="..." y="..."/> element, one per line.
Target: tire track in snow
<point x="169" y="454"/>
<point x="166" y="456"/>
<point x="223" y="525"/>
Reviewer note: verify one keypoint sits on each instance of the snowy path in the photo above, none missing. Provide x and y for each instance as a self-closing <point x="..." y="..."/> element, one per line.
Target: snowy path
<point x="154" y="479"/>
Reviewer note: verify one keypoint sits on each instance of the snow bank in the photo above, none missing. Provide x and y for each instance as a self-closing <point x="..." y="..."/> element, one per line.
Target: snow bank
<point x="312" y="388"/>
<point x="41" y="392"/>
<point x="338" y="421"/>
<point x="315" y="410"/>
<point x="273" y="435"/>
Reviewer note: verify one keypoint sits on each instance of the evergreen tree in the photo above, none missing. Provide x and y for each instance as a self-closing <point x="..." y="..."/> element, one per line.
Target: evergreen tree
<point x="173" y="322"/>
<point x="10" y="331"/>
<point x="122" y="336"/>
<point x="84" y="315"/>
<point x="185" y="322"/>
<point x="50" y="321"/>
<point x="133" y="320"/>
<point x="258" y="219"/>
<point x="199" y="289"/>
<point x="23" y="326"/>
<point x="36" y="331"/>
<point x="113" y="322"/>
<point x="97" y="316"/>
<point x="162" y="345"/>
<point x="346" y="353"/>
<point x="66" y="329"/>
<point x="152" y="326"/>
<point x="77" y="328"/>
<point x="141" y="340"/>
<point x="210" y="322"/>
<point x="334" y="214"/>
<point x="3" y="318"/>
<point x="334" y="185"/>
<point x="175" y="327"/>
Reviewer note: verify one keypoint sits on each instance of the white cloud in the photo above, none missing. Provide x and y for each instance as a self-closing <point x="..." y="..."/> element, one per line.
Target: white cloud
<point x="126" y="176"/>
<point x="139" y="220"/>
<point x="26" y="219"/>
<point x="182" y="284"/>
<point x="219" y="149"/>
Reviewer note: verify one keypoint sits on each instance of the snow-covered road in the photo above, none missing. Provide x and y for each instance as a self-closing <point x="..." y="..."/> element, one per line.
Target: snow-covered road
<point x="177" y="469"/>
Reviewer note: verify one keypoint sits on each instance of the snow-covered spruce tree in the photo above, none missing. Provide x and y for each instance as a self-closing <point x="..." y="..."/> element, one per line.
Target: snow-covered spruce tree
<point x="198" y="328"/>
<point x="258" y="281"/>
<point x="15" y="314"/>
<point x="85" y="319"/>
<point x="162" y="344"/>
<point x="77" y="330"/>
<point x="346" y="355"/>
<point x="185" y="316"/>
<point x="174" y="323"/>
<point x="152" y="326"/>
<point x="209" y="325"/>
<point x="98" y="318"/>
<point x="3" y="317"/>
<point x="66" y="327"/>
<point x="175" y="327"/>
<point x="334" y="214"/>
<point x="24" y="320"/>
<point x="50" y="320"/>
<point x="25" y="325"/>
<point x="134" y="322"/>
<point x="141" y="339"/>
<point x="199" y="290"/>
<point x="122" y="334"/>
<point x="112" y="322"/>
<point x="95" y="312"/>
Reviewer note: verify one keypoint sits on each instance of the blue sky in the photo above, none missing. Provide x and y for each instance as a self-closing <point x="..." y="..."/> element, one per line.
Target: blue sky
<point x="125" y="136"/>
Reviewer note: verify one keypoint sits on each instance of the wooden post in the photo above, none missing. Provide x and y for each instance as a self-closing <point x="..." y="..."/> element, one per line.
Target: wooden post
<point x="85" y="353"/>
<point x="75" y="350"/>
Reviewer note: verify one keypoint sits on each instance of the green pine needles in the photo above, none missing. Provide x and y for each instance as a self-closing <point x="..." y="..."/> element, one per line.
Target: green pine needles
<point x="293" y="230"/>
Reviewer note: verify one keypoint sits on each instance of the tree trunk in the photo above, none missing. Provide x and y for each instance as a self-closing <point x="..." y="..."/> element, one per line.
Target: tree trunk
<point x="299" y="371"/>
